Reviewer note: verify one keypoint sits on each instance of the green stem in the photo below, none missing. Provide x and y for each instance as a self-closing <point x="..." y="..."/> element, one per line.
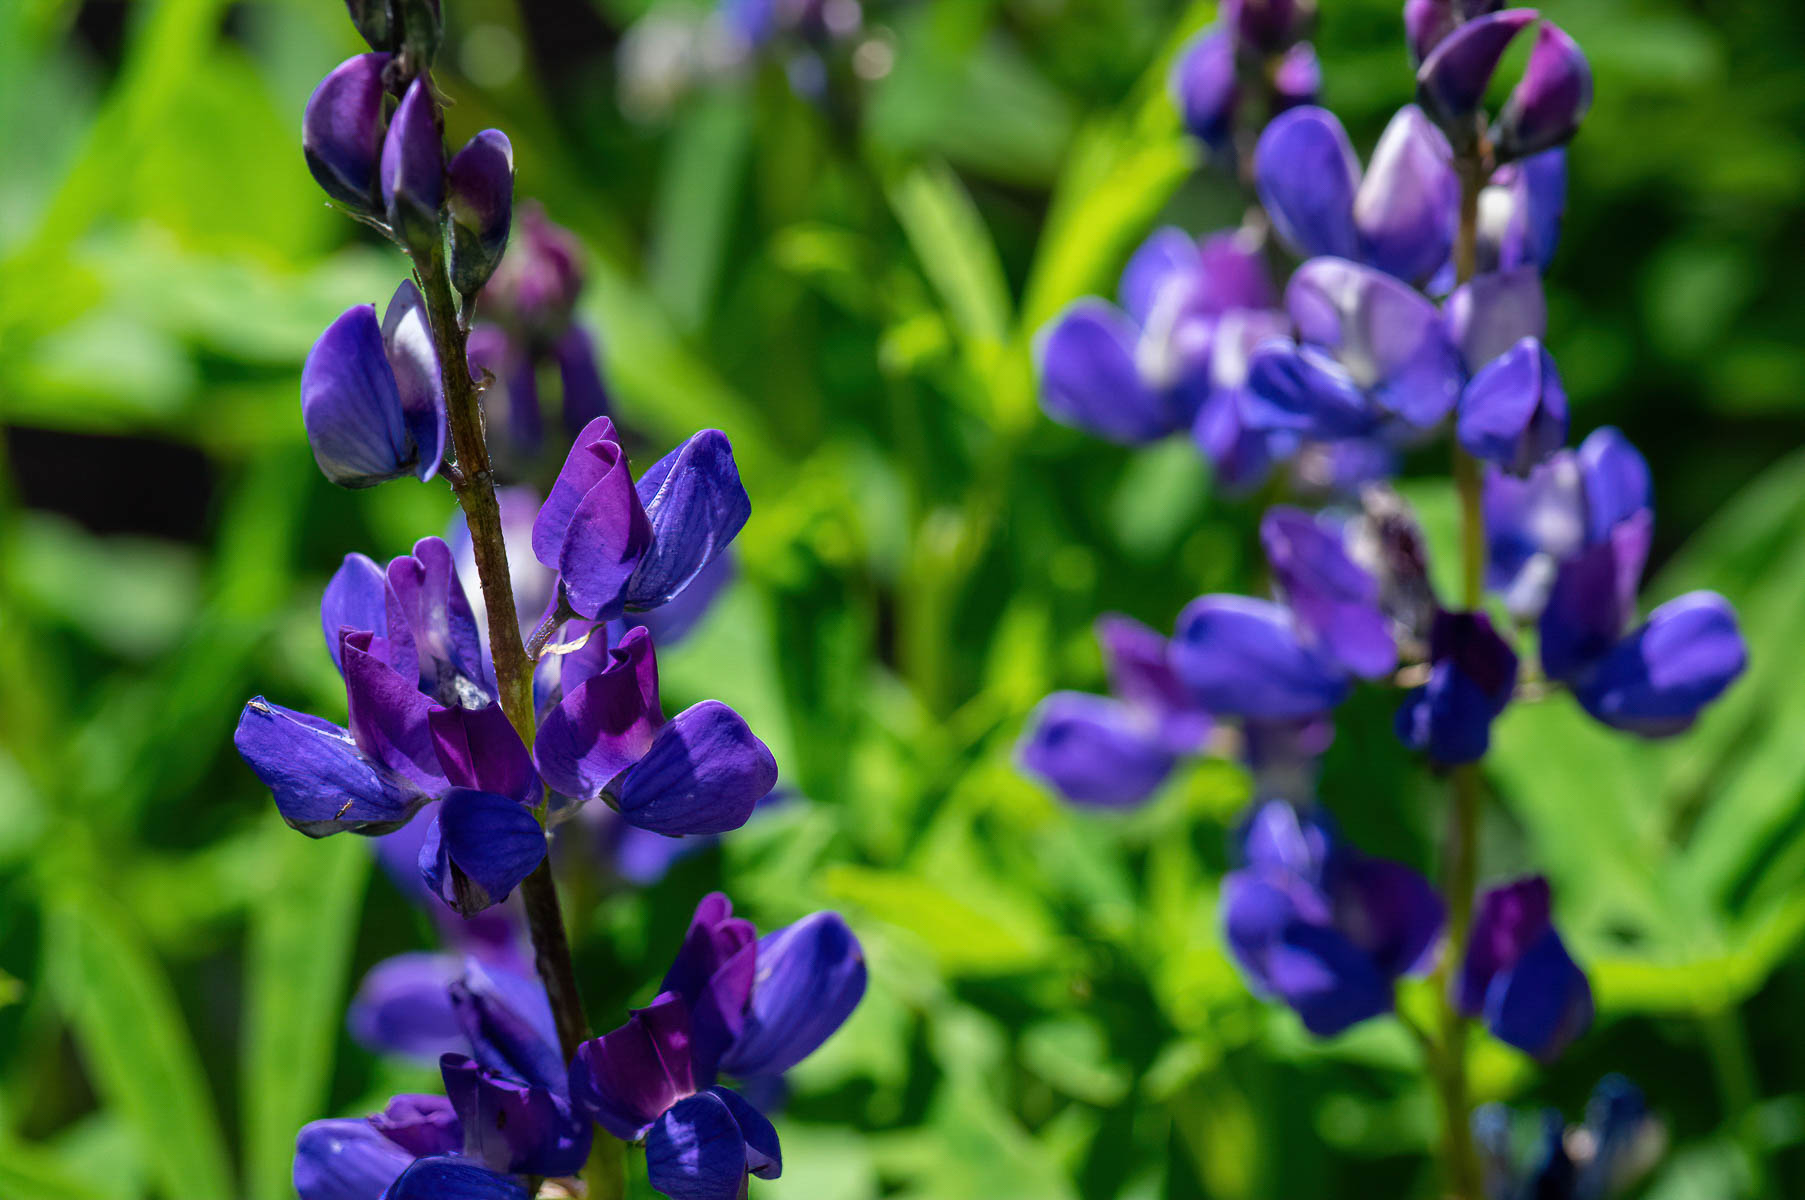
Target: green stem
<point x="1460" y="870"/>
<point x="1734" y="1065"/>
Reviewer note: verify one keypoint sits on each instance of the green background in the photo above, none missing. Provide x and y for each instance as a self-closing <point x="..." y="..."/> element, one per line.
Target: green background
<point x="849" y="292"/>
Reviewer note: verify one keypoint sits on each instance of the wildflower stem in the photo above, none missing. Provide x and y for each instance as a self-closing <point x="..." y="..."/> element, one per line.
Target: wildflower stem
<point x="475" y="490"/>
<point x="1460" y="867"/>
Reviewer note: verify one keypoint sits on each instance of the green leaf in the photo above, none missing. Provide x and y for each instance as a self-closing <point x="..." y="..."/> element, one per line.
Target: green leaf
<point x="957" y="254"/>
<point x="697" y="194"/>
<point x="303" y="934"/>
<point x="132" y="1039"/>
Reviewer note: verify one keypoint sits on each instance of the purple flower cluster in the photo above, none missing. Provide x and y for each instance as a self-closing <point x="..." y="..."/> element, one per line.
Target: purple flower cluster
<point x="1255" y="52"/>
<point x="1416" y="311"/>
<point x="732" y="1004"/>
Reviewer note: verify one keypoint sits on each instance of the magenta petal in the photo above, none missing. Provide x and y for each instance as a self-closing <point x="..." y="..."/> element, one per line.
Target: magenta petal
<point x="703" y="774"/>
<point x="606" y="725"/>
<point x="1551" y="99"/>
<point x="627" y="1078"/>
<point x="479" y="748"/>
<point x="341" y="131"/>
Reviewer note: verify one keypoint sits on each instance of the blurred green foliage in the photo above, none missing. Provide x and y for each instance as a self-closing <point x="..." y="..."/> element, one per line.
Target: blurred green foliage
<point x="850" y="291"/>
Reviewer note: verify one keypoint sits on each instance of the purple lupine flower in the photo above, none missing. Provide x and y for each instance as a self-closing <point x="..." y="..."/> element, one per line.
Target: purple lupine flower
<point x="1453" y="77"/>
<point x="1520" y="212"/>
<point x="1333" y="598"/>
<point x="1472" y="673"/>
<point x="413" y="168"/>
<point x="1143" y="371"/>
<point x="701" y="772"/>
<point x="1206" y="88"/>
<point x="512" y="1092"/>
<point x="617" y="546"/>
<point x="1116" y="750"/>
<point x="416" y="734"/>
<point x="1399" y="218"/>
<point x="1514" y="411"/>
<point x="341" y="132"/>
<point x="370" y="396"/>
<point x="1254" y="35"/>
<point x="481" y="202"/>
<point x="1241" y="454"/>
<point x="1372" y="358"/>
<point x="1320" y="926"/>
<point x="1518" y="975"/>
<point x="1618" y="1143"/>
<point x="753" y="1008"/>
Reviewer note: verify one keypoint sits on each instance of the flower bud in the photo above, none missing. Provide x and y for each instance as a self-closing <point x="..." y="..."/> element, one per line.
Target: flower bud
<point x="539" y="281"/>
<point x="1426" y="23"/>
<point x="1453" y="78"/>
<point x="341" y="131"/>
<point x="1297" y="79"/>
<point x="1548" y="103"/>
<point x="413" y="169"/>
<point x="375" y="20"/>
<point x="1269" y="26"/>
<point x="482" y="205"/>
<point x="1205" y="90"/>
<point x="422" y="28"/>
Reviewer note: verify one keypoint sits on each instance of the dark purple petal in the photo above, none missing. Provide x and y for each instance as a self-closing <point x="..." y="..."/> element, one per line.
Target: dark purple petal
<point x="1407" y="206"/>
<point x="1331" y="983"/>
<point x="1514" y="411"/>
<point x="481" y="202"/>
<point x="479" y="849"/>
<point x="1509" y="919"/>
<point x="1656" y="681"/>
<point x="514" y="1126"/>
<point x="354" y="599"/>
<point x="1549" y="102"/>
<point x="432" y="629"/>
<point x="811" y="975"/>
<point x="508" y="1026"/>
<point x="1426" y="23"/>
<point x="421" y="1125"/>
<point x="413" y="167"/>
<point x="714" y="936"/>
<point x="1096" y="750"/>
<point x="403" y="1007"/>
<point x="1616" y="479"/>
<point x="345" y="1160"/>
<point x="322" y="782"/>
<point x="1543" y="1002"/>
<point x="697" y="506"/>
<point x="1303" y="391"/>
<point x="1269" y="25"/>
<point x="1335" y="599"/>
<point x="696" y="1151"/>
<point x="1453" y="78"/>
<point x="1307" y="175"/>
<point x="1391" y="912"/>
<point x="1244" y="657"/>
<point x="606" y="725"/>
<point x="388" y="715"/>
<point x="1089" y="380"/>
<point x="628" y="1078"/>
<point x="479" y="748"/>
<point x="350" y="407"/>
<point x="1204" y="88"/>
<point x="454" y="1179"/>
<point x="1593" y="598"/>
<point x="341" y="131"/>
<point x="585" y="396"/>
<point x="1472" y="676"/>
<point x="671" y="623"/>
<point x="1495" y="312"/>
<point x="764" y="1158"/>
<point x="407" y="340"/>
<point x="703" y="773"/>
<point x="1297" y="79"/>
